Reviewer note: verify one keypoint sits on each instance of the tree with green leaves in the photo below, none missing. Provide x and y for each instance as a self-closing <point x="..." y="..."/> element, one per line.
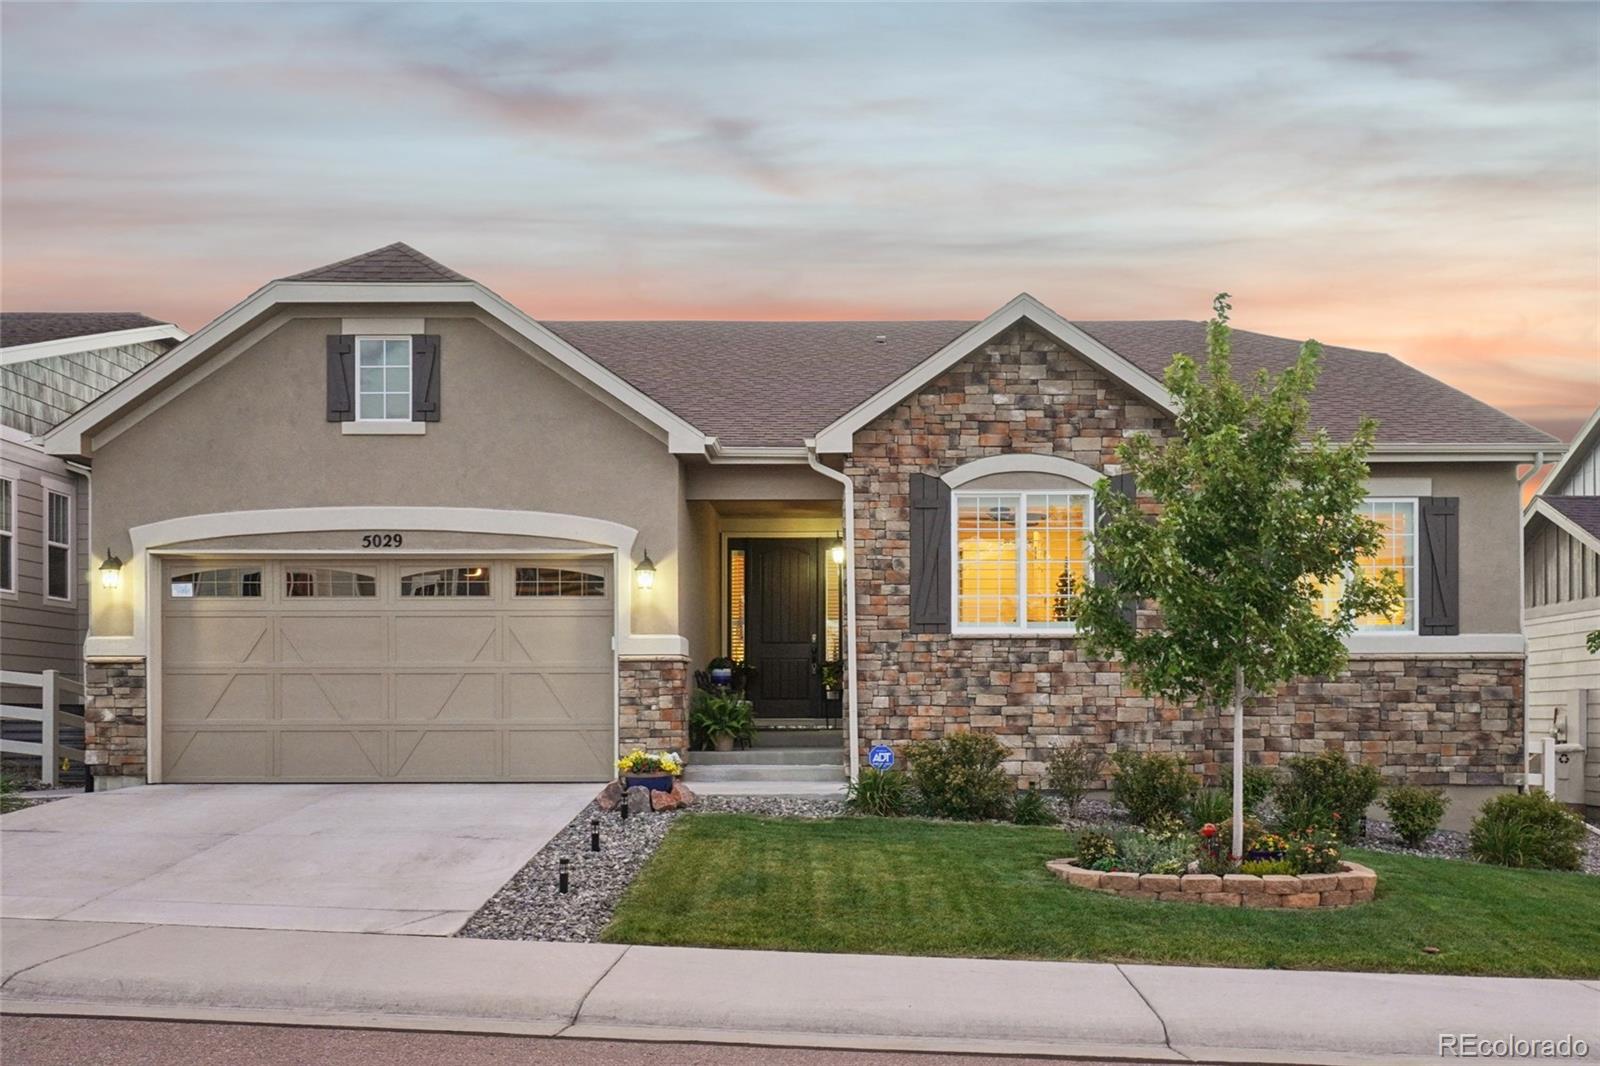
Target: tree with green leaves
<point x="1255" y="516"/>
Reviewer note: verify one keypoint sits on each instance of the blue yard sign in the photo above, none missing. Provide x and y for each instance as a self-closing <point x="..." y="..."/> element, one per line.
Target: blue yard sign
<point x="881" y="757"/>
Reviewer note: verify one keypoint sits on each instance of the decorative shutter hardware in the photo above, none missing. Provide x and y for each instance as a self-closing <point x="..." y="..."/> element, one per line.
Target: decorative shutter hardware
<point x="425" y="378"/>
<point x="930" y="554"/>
<point x="1127" y="486"/>
<point x="341" y="378"/>
<point x="1438" y="566"/>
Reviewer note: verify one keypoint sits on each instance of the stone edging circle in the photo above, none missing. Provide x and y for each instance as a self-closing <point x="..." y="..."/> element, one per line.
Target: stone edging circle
<point x="1353" y="884"/>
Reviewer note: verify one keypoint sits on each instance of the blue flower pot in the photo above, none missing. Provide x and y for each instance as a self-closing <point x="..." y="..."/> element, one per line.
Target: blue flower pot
<point x="722" y="677"/>
<point x="654" y="782"/>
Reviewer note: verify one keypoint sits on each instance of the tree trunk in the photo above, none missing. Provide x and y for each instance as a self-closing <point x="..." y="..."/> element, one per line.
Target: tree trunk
<point x="1237" y="847"/>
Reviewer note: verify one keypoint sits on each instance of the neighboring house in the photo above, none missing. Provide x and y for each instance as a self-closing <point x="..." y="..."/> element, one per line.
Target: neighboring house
<point x="1561" y="606"/>
<point x="51" y="366"/>
<point x="379" y="524"/>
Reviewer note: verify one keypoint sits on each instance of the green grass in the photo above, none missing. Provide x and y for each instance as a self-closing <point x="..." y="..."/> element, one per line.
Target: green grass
<point x="913" y="887"/>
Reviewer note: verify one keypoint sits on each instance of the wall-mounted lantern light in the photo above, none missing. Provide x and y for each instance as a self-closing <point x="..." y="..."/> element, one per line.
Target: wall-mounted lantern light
<point x="837" y="551"/>
<point x="645" y="573"/>
<point x="111" y="571"/>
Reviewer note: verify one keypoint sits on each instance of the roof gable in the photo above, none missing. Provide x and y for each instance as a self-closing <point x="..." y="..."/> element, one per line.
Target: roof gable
<point x="1583" y="444"/>
<point x="396" y="263"/>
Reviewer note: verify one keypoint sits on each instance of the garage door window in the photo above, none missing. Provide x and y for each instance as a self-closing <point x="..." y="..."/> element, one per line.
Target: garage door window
<point x="456" y="582"/>
<point x="554" y="581"/>
<point x="329" y="584"/>
<point x="239" y="583"/>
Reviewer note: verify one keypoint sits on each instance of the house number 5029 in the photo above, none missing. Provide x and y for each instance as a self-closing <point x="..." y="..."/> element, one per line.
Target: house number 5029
<point x="381" y="540"/>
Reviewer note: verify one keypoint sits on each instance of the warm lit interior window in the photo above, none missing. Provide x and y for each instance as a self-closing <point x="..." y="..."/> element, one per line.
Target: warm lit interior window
<point x="736" y="605"/>
<point x="832" y="599"/>
<point x="1398" y="554"/>
<point x="1020" y="557"/>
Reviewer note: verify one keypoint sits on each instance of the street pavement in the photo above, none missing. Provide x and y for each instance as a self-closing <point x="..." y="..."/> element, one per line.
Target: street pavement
<point x="692" y="995"/>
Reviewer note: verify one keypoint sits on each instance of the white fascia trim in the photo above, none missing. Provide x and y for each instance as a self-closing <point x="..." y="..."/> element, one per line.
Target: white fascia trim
<point x="717" y="452"/>
<point x="1543" y="509"/>
<point x="837" y="437"/>
<point x="1412" y="644"/>
<point x="1021" y="463"/>
<point x="89" y="342"/>
<point x="1459" y="453"/>
<point x="1587" y="436"/>
<point x="70" y="437"/>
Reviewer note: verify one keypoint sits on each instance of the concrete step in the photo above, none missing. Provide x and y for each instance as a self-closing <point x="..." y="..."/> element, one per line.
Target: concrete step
<point x="798" y="738"/>
<point x="762" y="772"/>
<point x="773" y="789"/>
<point x="833" y="756"/>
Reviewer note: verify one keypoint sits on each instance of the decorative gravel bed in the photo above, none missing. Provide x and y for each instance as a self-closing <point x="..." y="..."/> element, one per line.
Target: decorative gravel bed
<point x="528" y="907"/>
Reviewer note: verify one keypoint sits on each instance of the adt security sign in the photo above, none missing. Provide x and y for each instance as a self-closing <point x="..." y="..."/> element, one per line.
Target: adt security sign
<point x="881" y="757"/>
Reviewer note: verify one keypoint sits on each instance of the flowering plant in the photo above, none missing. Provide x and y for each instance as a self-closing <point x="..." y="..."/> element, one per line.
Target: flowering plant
<point x="639" y="761"/>
<point x="1266" y="846"/>
<point x="1313" y="850"/>
<point x="1213" y="851"/>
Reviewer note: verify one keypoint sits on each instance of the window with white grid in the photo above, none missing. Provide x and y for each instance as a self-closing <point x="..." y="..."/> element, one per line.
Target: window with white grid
<point x="1020" y="558"/>
<point x="1396" y="555"/>
<point x="383" y="379"/>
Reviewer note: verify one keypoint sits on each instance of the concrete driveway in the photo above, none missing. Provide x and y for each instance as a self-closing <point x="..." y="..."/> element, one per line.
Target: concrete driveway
<point x="416" y="859"/>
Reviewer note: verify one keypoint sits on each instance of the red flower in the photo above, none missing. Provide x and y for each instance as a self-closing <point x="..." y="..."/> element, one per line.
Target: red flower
<point x="1208" y="830"/>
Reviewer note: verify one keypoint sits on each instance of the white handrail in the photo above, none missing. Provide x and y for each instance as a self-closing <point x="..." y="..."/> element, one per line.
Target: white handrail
<point x="48" y="714"/>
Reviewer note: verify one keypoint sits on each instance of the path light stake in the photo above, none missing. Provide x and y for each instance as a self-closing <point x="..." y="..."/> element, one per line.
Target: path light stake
<point x="623" y="808"/>
<point x="594" y="834"/>
<point x="561" y="879"/>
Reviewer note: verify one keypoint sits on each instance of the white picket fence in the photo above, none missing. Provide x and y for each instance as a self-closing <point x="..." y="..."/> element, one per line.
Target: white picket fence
<point x="51" y="718"/>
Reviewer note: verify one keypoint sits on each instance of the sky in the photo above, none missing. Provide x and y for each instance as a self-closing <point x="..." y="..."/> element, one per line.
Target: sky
<point x="1422" y="179"/>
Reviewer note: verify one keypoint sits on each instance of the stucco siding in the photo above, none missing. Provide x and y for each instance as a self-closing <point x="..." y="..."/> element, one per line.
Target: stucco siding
<point x="514" y="435"/>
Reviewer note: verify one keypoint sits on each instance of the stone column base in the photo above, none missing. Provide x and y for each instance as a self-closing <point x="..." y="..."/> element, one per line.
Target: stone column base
<point x="115" y="722"/>
<point x="653" y="704"/>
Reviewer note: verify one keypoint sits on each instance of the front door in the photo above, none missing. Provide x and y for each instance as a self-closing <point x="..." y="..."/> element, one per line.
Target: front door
<point x="783" y="621"/>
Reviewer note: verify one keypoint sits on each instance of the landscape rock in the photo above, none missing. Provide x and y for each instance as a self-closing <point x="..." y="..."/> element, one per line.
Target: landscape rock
<point x="639" y="800"/>
<point x="665" y="801"/>
<point x="610" y="797"/>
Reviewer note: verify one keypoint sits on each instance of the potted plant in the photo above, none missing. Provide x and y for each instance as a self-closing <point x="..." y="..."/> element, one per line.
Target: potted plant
<point x="650" y="769"/>
<point x="721" y="718"/>
<point x="833" y="679"/>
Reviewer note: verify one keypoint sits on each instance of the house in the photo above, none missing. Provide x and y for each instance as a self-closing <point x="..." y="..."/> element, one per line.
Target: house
<point x="376" y="523"/>
<point x="52" y="364"/>
<point x="1561" y="606"/>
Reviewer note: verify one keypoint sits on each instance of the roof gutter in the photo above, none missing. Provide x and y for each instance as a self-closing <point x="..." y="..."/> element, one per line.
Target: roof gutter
<point x="853" y="729"/>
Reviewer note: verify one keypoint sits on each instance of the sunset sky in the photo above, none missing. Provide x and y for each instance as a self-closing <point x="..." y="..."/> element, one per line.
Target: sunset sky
<point x="1419" y="179"/>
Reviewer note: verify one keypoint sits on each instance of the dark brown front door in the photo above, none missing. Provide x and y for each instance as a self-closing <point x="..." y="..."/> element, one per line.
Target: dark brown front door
<point x="783" y="623"/>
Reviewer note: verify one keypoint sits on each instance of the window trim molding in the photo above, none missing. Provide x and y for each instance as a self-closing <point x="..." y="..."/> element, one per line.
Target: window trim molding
<point x="1412" y="630"/>
<point x="10" y="475"/>
<point x="1021" y="628"/>
<point x="1022" y="463"/>
<point x="49" y="484"/>
<point x="411" y="356"/>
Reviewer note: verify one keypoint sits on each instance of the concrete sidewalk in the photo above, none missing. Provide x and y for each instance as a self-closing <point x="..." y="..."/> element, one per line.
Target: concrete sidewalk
<point x="856" y="1001"/>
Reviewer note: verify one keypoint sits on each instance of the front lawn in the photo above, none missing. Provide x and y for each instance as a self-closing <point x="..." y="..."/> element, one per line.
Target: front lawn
<point x="912" y="887"/>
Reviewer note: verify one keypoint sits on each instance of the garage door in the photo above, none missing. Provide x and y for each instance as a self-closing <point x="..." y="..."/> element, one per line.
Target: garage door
<point x="335" y="669"/>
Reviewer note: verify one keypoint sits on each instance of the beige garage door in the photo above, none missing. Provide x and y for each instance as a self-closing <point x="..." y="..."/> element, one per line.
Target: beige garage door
<point x="333" y="669"/>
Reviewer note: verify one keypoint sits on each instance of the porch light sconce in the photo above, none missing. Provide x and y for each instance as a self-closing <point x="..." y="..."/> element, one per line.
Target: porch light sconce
<point x="645" y="573"/>
<point x="111" y="571"/>
<point x="837" y="551"/>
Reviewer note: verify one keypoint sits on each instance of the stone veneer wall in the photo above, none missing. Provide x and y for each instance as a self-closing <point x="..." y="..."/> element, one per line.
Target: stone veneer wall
<point x="1433" y="719"/>
<point x="653" y="704"/>
<point x="115" y="738"/>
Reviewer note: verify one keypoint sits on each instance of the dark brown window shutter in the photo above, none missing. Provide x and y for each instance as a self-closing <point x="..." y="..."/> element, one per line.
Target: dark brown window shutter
<point x="1438" y="569"/>
<point x="930" y="554"/>
<point x="1127" y="486"/>
<point x="341" y="378"/>
<point x="425" y="378"/>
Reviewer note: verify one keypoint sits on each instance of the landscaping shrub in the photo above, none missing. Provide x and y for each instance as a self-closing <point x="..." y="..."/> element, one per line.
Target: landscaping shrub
<point x="1210" y="805"/>
<point x="1091" y="845"/>
<point x="1151" y="786"/>
<point x="1327" y="782"/>
<point x="1415" y="812"/>
<point x="1314" y="850"/>
<point x="1029" y="808"/>
<point x="882" y="793"/>
<point x="1258" y="782"/>
<point x="1263" y="867"/>
<point x="1141" y="853"/>
<point x="1072" y="769"/>
<point x="1530" y="830"/>
<point x="959" y="776"/>
<point x="1168" y="827"/>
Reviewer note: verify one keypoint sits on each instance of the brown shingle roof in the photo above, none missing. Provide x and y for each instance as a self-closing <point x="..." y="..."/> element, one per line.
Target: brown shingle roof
<point x="34" y="327"/>
<point x="395" y="262"/>
<point x="1583" y="510"/>
<point x="776" y="383"/>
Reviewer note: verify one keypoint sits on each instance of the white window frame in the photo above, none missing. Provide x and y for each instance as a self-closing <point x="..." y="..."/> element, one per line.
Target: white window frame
<point x="9" y="550"/>
<point x="56" y="487"/>
<point x="1022" y="628"/>
<point x="410" y="362"/>
<point x="1414" y="601"/>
